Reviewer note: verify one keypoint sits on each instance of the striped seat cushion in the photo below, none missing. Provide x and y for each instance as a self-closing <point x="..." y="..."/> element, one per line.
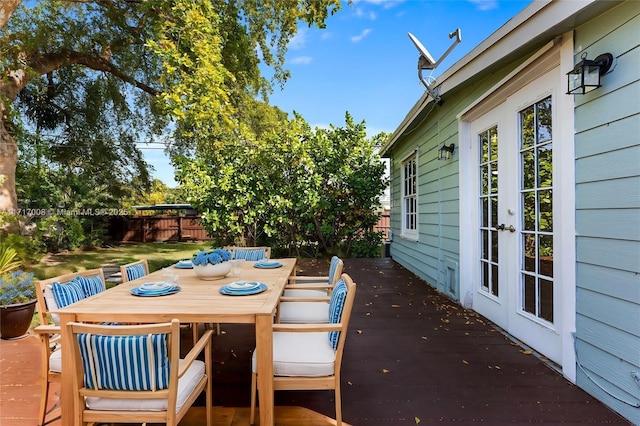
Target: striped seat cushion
<point x="67" y="293"/>
<point x="92" y="285"/>
<point x="134" y="363"/>
<point x="333" y="269"/>
<point x="250" y="254"/>
<point x="136" y="271"/>
<point x="336" y="306"/>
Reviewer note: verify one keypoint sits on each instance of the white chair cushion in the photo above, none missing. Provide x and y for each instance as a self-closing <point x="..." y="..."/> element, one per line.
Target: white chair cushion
<point x="301" y="354"/>
<point x="186" y="385"/>
<point x="55" y="361"/>
<point x="305" y="293"/>
<point x="304" y="312"/>
<point x="50" y="300"/>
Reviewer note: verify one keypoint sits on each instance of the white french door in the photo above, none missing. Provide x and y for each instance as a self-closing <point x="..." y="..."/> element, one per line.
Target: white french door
<point x="514" y="169"/>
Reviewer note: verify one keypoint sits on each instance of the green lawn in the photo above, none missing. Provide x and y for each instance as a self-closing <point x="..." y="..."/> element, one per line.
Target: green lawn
<point x="159" y="255"/>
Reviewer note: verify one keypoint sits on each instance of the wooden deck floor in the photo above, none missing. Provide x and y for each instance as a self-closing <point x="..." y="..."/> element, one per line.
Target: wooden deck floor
<point x="412" y="357"/>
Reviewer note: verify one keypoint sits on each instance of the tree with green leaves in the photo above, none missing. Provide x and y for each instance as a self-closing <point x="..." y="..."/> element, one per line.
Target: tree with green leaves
<point x="91" y="79"/>
<point x="290" y="186"/>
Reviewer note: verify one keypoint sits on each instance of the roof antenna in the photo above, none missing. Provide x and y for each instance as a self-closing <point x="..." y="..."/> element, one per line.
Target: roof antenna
<point x="426" y="62"/>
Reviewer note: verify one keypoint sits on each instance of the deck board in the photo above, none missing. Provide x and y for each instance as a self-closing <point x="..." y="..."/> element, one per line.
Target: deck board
<point x="411" y="355"/>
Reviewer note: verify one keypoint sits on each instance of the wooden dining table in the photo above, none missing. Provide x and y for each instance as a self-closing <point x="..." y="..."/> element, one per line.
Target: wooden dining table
<point x="198" y="301"/>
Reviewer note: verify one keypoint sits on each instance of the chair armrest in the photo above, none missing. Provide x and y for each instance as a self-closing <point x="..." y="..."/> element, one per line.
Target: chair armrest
<point x="308" y="287"/>
<point x="47" y="329"/>
<point x="306" y="328"/>
<point x="308" y="279"/>
<point x="49" y="335"/>
<point x="203" y="343"/>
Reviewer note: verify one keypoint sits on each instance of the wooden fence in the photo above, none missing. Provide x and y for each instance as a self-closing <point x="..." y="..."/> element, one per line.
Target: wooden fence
<point x="157" y="228"/>
<point x="384" y="225"/>
<point x="180" y="228"/>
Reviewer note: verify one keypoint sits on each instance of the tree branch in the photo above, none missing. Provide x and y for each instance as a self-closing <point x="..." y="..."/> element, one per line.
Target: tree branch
<point x="7" y="7"/>
<point x="43" y="64"/>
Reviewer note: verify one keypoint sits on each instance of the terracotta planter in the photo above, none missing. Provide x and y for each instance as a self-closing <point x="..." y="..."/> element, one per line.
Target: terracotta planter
<point x="15" y="319"/>
<point x="212" y="272"/>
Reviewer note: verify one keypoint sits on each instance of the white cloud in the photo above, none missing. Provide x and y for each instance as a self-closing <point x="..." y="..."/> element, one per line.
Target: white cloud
<point x="386" y="4"/>
<point x="360" y="36"/>
<point x="301" y="60"/>
<point x="299" y="39"/>
<point x="362" y="13"/>
<point x="485" y="4"/>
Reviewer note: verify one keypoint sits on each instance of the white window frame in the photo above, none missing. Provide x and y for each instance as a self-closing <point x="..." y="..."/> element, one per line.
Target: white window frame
<point x="408" y="231"/>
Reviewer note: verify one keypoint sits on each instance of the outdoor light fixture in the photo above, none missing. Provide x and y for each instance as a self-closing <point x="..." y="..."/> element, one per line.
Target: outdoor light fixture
<point x="585" y="76"/>
<point x="446" y="151"/>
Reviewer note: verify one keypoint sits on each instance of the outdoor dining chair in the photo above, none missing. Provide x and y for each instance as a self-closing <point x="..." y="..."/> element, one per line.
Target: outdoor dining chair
<point x="313" y="287"/>
<point x="134" y="270"/>
<point x="133" y="373"/>
<point x="309" y="356"/>
<point x="52" y="294"/>
<point x="311" y="304"/>
<point x="250" y="253"/>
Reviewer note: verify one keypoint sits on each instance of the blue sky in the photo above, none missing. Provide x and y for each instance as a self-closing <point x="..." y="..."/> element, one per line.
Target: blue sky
<point x="364" y="62"/>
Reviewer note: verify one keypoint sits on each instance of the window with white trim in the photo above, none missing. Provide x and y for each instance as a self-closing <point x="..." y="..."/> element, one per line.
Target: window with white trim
<point x="410" y="197"/>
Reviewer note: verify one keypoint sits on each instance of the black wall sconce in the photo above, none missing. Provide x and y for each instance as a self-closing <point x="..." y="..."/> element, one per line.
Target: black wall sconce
<point x="585" y="76"/>
<point x="446" y="151"/>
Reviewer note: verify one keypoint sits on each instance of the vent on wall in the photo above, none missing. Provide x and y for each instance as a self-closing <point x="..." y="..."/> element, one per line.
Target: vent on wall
<point x="451" y="278"/>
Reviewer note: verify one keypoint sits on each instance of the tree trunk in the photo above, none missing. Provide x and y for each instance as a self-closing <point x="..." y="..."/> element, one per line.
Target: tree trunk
<point x="8" y="162"/>
<point x="8" y="146"/>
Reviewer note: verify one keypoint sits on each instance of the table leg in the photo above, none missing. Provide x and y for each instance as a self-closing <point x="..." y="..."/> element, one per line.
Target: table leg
<point x="67" y="397"/>
<point x="264" y="348"/>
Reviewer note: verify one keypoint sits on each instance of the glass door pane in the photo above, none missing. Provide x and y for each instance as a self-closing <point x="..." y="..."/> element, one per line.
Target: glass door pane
<point x="536" y="199"/>
<point x="488" y="203"/>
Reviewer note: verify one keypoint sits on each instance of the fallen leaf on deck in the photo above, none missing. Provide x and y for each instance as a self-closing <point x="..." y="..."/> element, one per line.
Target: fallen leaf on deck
<point x="527" y="352"/>
<point x="417" y="419"/>
<point x="396" y="306"/>
<point x="384" y="370"/>
<point x="464" y="361"/>
<point x="359" y="331"/>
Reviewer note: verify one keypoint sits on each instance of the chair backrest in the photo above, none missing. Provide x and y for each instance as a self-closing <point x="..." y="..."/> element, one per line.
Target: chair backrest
<point x="134" y="270"/>
<point x="250" y="253"/>
<point x="335" y="270"/>
<point x="54" y="293"/>
<point x="122" y="361"/>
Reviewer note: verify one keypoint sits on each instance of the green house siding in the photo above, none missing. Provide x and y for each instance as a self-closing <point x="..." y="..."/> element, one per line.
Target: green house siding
<point x="435" y="256"/>
<point x="607" y="147"/>
<point x="606" y="173"/>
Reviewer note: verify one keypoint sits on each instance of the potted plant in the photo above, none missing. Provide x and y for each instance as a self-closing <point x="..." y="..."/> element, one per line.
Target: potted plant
<point x="17" y="303"/>
<point x="212" y="264"/>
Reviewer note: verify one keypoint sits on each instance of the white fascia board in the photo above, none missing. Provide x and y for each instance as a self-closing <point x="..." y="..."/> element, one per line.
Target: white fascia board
<point x="538" y="18"/>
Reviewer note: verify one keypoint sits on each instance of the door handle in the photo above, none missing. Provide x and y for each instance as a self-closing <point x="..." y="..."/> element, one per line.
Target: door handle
<point x="503" y="227"/>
